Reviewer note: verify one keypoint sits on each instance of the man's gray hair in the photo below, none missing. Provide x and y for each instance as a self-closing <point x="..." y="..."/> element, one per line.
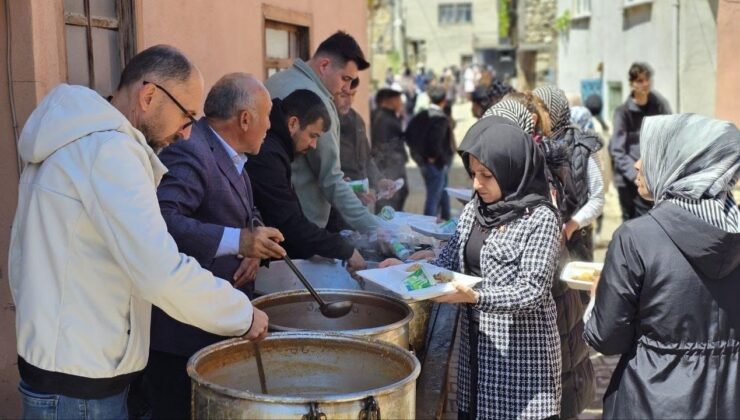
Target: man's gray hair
<point x="159" y="64"/>
<point x="231" y="94"/>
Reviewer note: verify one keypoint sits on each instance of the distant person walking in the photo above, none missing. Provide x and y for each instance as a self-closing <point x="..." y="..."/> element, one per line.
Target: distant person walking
<point x="432" y="143"/>
<point x="387" y="147"/>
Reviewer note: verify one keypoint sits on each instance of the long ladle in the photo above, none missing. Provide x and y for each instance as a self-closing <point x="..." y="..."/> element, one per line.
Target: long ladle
<point x="329" y="310"/>
<point x="260" y="368"/>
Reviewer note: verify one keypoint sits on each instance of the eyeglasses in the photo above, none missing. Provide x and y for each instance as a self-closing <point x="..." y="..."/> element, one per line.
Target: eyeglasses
<point x="179" y="105"/>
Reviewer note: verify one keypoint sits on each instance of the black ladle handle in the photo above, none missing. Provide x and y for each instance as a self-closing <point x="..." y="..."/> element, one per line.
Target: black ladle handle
<point x="297" y="272"/>
<point x="305" y="282"/>
<point x="260" y="368"/>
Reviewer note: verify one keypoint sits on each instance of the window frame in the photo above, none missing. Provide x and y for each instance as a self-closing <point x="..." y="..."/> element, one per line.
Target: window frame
<point x="284" y="63"/>
<point x="124" y="24"/>
<point x="278" y="18"/>
<point x="454" y="10"/>
<point x="634" y="3"/>
<point x="581" y="9"/>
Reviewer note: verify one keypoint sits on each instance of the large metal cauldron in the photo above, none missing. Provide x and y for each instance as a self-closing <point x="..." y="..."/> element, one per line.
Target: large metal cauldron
<point x="374" y="315"/>
<point x="332" y="275"/>
<point x="308" y="375"/>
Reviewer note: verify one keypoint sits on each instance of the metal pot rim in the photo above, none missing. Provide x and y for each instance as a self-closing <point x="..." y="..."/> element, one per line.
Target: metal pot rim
<point x="360" y="331"/>
<point x="325" y="336"/>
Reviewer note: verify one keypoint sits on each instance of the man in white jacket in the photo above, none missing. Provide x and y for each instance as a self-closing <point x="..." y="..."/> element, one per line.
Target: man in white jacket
<point x="90" y="252"/>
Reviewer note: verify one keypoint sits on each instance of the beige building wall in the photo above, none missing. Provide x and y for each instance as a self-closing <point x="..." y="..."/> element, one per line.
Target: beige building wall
<point x="228" y="35"/>
<point x="681" y="48"/>
<point x="219" y="36"/>
<point x="446" y="45"/>
<point x="728" y="62"/>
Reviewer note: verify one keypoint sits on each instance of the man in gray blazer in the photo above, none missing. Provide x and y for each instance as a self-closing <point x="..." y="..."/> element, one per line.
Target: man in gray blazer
<point x="206" y="200"/>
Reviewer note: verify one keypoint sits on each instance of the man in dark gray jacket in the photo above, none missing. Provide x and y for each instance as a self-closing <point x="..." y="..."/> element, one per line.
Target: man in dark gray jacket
<point x="357" y="163"/>
<point x="387" y="147"/>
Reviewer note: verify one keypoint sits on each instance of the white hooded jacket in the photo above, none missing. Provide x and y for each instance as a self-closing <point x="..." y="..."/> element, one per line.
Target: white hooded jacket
<point x="90" y="252"/>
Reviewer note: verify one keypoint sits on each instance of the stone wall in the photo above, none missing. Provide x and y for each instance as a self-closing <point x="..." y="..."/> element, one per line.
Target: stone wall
<point x="537" y="55"/>
<point x="536" y="21"/>
<point x="380" y="34"/>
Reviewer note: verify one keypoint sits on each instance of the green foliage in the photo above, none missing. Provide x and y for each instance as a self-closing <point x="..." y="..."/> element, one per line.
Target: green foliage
<point x="562" y="22"/>
<point x="394" y="61"/>
<point x="504" y="20"/>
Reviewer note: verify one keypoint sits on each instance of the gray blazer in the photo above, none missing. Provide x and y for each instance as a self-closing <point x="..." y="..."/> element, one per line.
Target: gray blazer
<point x="200" y="195"/>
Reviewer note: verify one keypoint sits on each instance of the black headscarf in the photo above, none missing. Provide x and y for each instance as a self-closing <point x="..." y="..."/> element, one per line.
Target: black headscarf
<point x="517" y="163"/>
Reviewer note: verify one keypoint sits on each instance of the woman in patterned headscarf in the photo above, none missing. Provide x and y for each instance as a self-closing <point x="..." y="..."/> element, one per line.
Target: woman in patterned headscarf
<point x="571" y="155"/>
<point x="667" y="297"/>
<point x="581" y="199"/>
<point x="536" y="109"/>
<point x="508" y="235"/>
<point x="515" y="112"/>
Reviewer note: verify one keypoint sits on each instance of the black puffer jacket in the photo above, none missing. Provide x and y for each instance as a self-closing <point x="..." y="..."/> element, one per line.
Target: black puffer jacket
<point x="667" y="302"/>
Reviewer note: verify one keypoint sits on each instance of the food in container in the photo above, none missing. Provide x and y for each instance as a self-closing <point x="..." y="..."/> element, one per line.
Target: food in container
<point x="443" y="277"/>
<point x="581" y="275"/>
<point x="425" y="282"/>
<point x="413" y="267"/>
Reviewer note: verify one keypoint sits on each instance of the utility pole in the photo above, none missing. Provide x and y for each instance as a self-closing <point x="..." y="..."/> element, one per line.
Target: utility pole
<point x="399" y="42"/>
<point x="677" y="5"/>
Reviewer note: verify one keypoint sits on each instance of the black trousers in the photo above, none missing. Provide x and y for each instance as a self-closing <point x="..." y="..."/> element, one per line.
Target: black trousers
<point x="631" y="203"/>
<point x="581" y="248"/>
<point x="167" y="386"/>
<point x="581" y="244"/>
<point x="473" y="326"/>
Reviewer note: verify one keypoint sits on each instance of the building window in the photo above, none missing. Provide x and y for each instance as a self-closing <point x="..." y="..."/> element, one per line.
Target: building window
<point x="283" y="44"/>
<point x="630" y="3"/>
<point x="99" y="38"/>
<point x="455" y="13"/>
<point x="581" y="8"/>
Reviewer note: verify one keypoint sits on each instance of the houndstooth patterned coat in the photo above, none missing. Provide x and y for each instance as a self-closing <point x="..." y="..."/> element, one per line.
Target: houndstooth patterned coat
<point x="518" y="349"/>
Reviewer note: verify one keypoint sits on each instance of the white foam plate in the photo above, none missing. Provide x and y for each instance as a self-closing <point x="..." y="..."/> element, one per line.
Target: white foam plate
<point x="430" y="229"/>
<point x="464" y="194"/>
<point x="573" y="269"/>
<point x="392" y="278"/>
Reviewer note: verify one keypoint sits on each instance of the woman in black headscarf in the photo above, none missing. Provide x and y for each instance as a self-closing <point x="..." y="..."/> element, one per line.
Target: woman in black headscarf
<point x="508" y="235"/>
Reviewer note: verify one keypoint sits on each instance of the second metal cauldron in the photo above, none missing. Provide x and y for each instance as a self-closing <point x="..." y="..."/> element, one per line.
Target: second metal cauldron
<point x="373" y="315"/>
<point x="308" y="375"/>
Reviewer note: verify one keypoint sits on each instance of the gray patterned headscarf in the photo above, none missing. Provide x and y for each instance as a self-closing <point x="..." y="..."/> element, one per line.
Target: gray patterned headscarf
<point x="688" y="156"/>
<point x="514" y="111"/>
<point x="557" y="107"/>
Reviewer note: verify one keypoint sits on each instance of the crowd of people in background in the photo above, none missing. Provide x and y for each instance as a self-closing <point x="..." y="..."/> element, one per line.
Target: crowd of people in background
<point x="539" y="152"/>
